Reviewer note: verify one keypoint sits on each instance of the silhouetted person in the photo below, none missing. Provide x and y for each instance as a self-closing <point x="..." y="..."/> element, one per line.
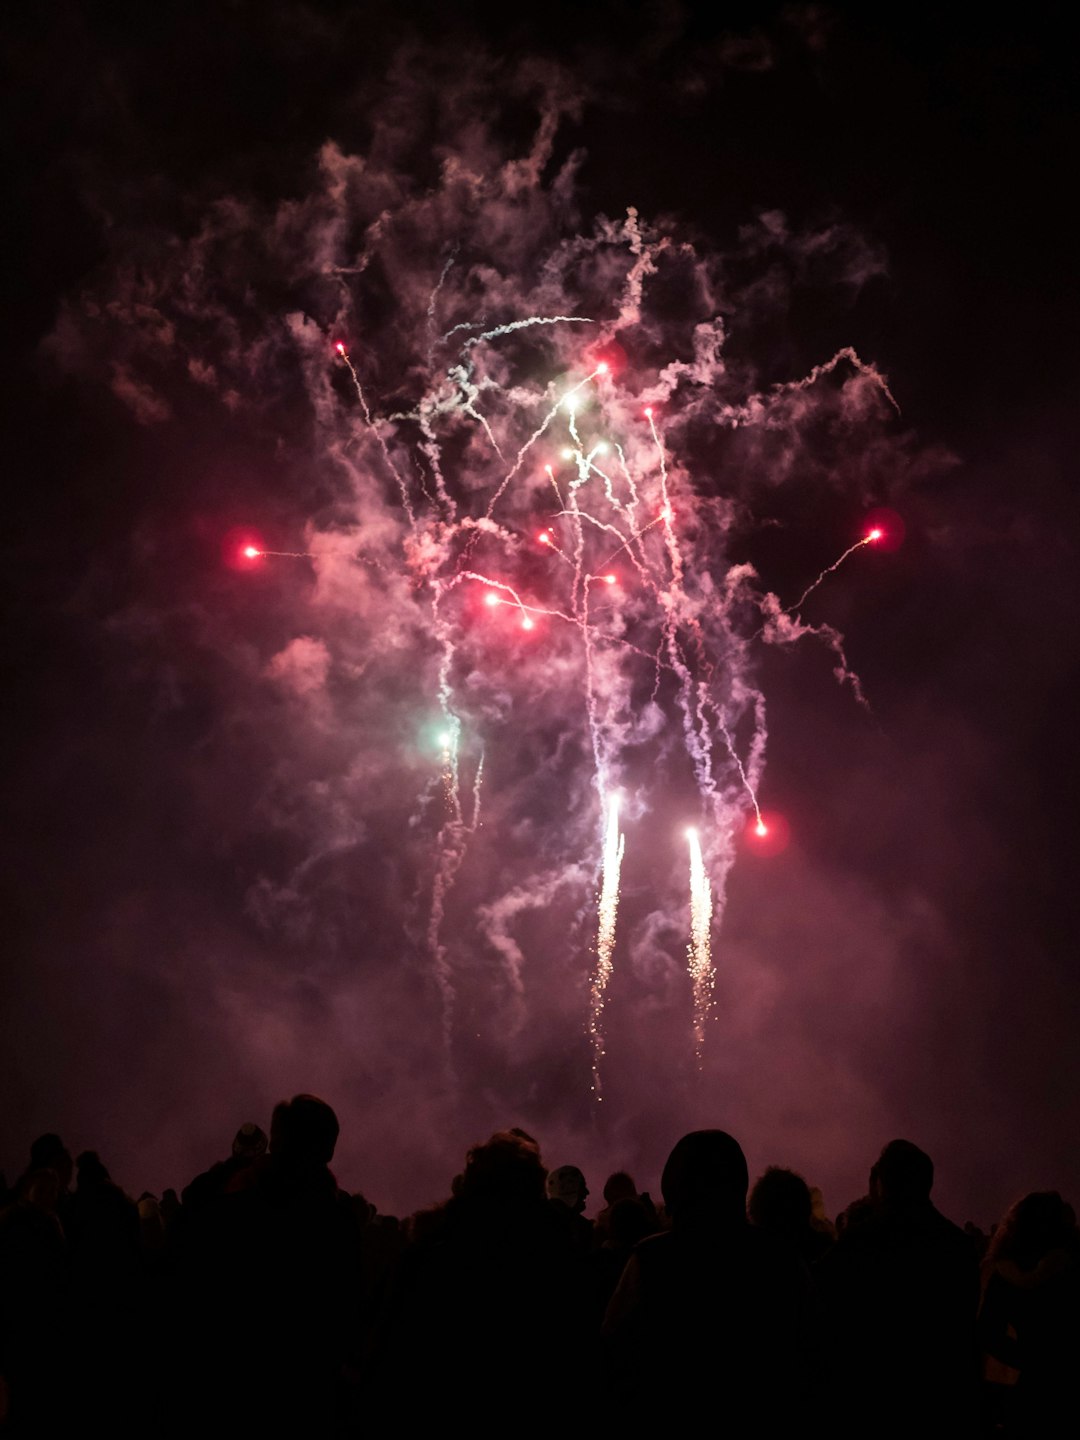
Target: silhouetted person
<point x="274" y="1294"/>
<point x="103" y="1234"/>
<point x="782" y="1204"/>
<point x="567" y="1193"/>
<point x="35" y="1356"/>
<point x="621" y="1186"/>
<point x="707" y="1325"/>
<point x="899" y="1292"/>
<point x="489" y="1302"/>
<point x="1029" y="1320"/>
<point x="627" y="1222"/>
<point x="248" y="1145"/>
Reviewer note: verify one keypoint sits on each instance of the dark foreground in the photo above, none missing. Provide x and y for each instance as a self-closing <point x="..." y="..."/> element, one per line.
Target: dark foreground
<point x="268" y="1301"/>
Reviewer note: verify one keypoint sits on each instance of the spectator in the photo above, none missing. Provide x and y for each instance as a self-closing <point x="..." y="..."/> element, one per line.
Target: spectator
<point x="899" y="1292"/>
<point x="714" y="1298"/>
<point x="1029" y="1319"/>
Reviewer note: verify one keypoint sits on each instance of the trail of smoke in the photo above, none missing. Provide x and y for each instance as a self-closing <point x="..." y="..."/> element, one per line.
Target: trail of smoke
<point x="829" y="569"/>
<point x="433" y="302"/>
<point x="531" y="441"/>
<point x="370" y="423"/>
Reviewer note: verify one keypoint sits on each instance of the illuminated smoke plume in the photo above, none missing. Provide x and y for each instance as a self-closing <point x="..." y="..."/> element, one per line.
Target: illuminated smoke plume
<point x="529" y="456"/>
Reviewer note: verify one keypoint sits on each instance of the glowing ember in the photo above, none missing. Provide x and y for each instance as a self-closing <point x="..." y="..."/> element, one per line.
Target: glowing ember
<point x="251" y="552"/>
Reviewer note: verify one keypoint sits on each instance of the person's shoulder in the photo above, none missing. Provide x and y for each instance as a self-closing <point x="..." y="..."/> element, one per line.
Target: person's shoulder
<point x="654" y="1250"/>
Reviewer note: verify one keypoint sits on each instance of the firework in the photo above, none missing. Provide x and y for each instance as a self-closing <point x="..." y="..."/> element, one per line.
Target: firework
<point x="614" y="843"/>
<point x="538" y="519"/>
<point x="699" y="950"/>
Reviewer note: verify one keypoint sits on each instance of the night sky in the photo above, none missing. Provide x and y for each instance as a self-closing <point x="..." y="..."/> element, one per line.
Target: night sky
<point x="222" y="794"/>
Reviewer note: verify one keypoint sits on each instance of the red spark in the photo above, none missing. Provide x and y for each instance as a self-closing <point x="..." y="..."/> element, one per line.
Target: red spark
<point x="885" y="529"/>
<point x="251" y="552"/>
<point x="340" y="348"/>
<point x="603" y="368"/>
<point x="647" y="412"/>
<point x="609" y="579"/>
<point x="767" y="834"/>
<point x="491" y="598"/>
<point x="544" y="537"/>
<point x="526" y="622"/>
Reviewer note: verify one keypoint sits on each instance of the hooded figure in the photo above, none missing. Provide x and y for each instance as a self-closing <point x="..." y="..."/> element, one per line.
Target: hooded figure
<point x="711" y="1315"/>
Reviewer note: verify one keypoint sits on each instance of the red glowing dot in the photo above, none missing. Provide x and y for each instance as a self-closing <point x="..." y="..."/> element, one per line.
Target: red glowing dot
<point x="544" y="538"/>
<point x="340" y="348"/>
<point x="251" y="552"/>
<point x="761" y="828"/>
<point x="609" y="579"/>
<point x="526" y="623"/>
<point x="874" y="534"/>
<point x="647" y="412"/>
<point x="602" y="368"/>
<point x="492" y="599"/>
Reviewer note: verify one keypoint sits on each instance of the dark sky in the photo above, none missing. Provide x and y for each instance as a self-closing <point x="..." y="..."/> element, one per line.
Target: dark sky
<point x="222" y="800"/>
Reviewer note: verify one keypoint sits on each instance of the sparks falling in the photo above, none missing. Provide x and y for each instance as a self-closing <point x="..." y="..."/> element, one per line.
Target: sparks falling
<point x="614" y="843"/>
<point x="699" y="950"/>
<point x="537" y="548"/>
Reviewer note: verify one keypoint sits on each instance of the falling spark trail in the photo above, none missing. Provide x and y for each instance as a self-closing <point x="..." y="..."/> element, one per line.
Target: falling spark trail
<point x="251" y="553"/>
<point x="479" y="431"/>
<point x="869" y="539"/>
<point x="699" y="951"/>
<point x="371" y="425"/>
<point x="614" y="844"/>
<point x="747" y="786"/>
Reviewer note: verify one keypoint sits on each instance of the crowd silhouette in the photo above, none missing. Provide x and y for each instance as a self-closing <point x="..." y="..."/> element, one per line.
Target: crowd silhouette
<point x="266" y="1300"/>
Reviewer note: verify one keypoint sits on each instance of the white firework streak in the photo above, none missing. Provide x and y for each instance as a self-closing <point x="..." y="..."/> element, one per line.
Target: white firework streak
<point x="614" y="844"/>
<point x="440" y="551"/>
<point x="699" y="951"/>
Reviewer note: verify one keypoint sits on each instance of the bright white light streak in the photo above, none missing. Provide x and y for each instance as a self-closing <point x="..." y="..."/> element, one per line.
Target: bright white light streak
<point x="699" y="951"/>
<point x="614" y="844"/>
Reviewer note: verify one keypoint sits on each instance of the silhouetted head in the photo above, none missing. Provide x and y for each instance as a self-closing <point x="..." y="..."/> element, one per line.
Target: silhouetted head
<point x="903" y="1175"/>
<point x="705" y="1179"/>
<point x="504" y="1173"/>
<point x="303" y="1132"/>
<point x="48" y="1152"/>
<point x="91" y="1171"/>
<point x="525" y="1136"/>
<point x="567" y="1185"/>
<point x="780" y="1201"/>
<point x="1036" y="1225"/>
<point x="628" y="1222"/>
<point x="41" y="1189"/>
<point x="249" y="1142"/>
<point x="619" y="1186"/>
